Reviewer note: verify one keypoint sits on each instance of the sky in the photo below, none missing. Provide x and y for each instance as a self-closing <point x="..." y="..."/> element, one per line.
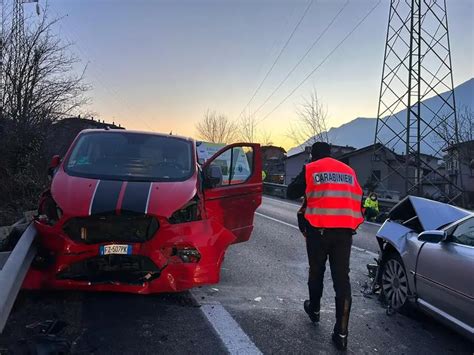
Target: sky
<point x="160" y="65"/>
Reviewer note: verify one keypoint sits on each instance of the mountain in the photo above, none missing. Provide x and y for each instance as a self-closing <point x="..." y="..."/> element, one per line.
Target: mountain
<point x="360" y="132"/>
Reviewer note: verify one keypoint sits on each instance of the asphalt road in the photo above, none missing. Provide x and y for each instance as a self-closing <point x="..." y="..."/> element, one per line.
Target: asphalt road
<point x="285" y="210"/>
<point x="263" y="285"/>
<point x="257" y="307"/>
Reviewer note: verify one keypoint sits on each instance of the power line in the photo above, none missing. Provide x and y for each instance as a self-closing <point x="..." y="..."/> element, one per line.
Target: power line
<point x="278" y="57"/>
<point x="303" y="57"/>
<point x="322" y="62"/>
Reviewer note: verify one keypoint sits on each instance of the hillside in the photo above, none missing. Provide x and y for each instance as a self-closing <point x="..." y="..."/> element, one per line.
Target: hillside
<point x="360" y="132"/>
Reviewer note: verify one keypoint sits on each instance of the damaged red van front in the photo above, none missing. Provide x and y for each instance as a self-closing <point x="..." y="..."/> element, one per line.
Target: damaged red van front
<point x="135" y="212"/>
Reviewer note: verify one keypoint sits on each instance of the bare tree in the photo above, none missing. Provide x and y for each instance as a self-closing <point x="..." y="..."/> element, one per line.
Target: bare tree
<point x="248" y="132"/>
<point x="40" y="81"/>
<point x="265" y="137"/>
<point x="466" y="124"/>
<point x="446" y="127"/>
<point x="41" y="86"/>
<point x="216" y="128"/>
<point x="311" y="122"/>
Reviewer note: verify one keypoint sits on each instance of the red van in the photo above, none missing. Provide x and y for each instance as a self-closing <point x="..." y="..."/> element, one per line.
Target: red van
<point x="135" y="212"/>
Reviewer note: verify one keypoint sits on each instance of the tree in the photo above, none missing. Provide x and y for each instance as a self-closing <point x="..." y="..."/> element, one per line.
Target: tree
<point x="40" y="87"/>
<point x="465" y="127"/>
<point x="248" y="128"/>
<point x="310" y="125"/>
<point x="265" y="137"/>
<point x="40" y="82"/>
<point x="466" y="124"/>
<point x="216" y="128"/>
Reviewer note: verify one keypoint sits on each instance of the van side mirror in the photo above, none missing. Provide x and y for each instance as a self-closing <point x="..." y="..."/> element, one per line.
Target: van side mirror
<point x="433" y="236"/>
<point x="55" y="161"/>
<point x="213" y="176"/>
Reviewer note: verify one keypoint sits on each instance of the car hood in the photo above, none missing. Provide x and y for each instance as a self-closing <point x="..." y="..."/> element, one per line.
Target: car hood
<point x="414" y="215"/>
<point x="77" y="196"/>
<point x="421" y="214"/>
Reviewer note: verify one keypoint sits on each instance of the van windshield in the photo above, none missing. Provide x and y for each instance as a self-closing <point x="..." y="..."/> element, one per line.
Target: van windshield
<point x="131" y="156"/>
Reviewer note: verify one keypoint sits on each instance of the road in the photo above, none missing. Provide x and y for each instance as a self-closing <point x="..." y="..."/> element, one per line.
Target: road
<point x="257" y="307"/>
<point x="285" y="211"/>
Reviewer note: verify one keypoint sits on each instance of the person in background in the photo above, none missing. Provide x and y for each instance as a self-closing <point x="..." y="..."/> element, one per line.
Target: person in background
<point x="371" y="205"/>
<point x="329" y="216"/>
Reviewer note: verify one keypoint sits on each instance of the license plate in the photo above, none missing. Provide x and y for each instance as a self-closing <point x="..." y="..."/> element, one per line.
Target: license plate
<point x="123" y="249"/>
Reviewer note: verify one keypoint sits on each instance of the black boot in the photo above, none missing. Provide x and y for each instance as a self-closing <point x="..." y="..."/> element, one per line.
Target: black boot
<point x="312" y="313"/>
<point x="340" y="341"/>
<point x="340" y="334"/>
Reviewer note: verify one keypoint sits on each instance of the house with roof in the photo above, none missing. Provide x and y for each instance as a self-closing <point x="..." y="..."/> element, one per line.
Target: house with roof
<point x="274" y="163"/>
<point x="459" y="161"/>
<point x="295" y="162"/>
<point x="65" y="130"/>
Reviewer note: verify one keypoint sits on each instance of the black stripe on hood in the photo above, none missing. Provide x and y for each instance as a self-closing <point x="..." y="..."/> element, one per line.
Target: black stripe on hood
<point x="135" y="199"/>
<point x="106" y="197"/>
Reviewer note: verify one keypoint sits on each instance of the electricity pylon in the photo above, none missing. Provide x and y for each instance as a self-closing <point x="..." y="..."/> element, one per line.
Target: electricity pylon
<point x="416" y="116"/>
<point x="14" y="41"/>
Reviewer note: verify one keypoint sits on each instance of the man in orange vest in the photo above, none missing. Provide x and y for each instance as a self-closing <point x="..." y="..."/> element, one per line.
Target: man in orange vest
<point x="333" y="213"/>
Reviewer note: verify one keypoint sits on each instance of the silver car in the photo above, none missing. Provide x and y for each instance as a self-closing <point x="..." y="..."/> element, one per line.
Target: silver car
<point x="427" y="257"/>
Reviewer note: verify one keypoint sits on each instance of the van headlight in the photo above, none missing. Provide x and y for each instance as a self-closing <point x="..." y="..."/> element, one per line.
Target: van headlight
<point x="188" y="213"/>
<point x="48" y="210"/>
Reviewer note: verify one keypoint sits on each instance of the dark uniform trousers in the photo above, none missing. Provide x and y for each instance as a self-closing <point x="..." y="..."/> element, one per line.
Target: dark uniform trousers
<point x="335" y="244"/>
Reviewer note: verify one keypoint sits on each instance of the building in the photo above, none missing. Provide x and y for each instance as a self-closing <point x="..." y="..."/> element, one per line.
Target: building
<point x="64" y="131"/>
<point x="374" y="173"/>
<point x="460" y="165"/>
<point x="380" y="169"/>
<point x="274" y="163"/>
<point x="295" y="162"/>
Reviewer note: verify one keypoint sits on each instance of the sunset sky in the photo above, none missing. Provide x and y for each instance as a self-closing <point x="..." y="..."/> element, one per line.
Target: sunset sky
<point x="159" y="65"/>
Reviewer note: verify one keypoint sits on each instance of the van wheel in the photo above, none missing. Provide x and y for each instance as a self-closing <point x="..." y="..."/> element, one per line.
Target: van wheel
<point x="395" y="287"/>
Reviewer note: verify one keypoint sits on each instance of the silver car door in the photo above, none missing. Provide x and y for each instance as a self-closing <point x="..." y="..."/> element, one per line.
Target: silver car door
<point x="445" y="273"/>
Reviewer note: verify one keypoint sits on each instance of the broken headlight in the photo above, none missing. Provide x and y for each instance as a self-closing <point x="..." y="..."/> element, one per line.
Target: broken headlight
<point x="188" y="213"/>
<point x="48" y="210"/>
<point x="187" y="254"/>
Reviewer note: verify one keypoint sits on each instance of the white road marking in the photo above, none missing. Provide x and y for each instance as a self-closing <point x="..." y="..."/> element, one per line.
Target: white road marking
<point x="276" y="220"/>
<point x="296" y="205"/>
<point x="281" y="201"/>
<point x="296" y="227"/>
<point x="229" y="331"/>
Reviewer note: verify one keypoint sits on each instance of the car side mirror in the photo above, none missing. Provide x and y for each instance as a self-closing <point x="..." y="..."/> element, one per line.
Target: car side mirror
<point x="55" y="161"/>
<point x="213" y="176"/>
<point x="433" y="236"/>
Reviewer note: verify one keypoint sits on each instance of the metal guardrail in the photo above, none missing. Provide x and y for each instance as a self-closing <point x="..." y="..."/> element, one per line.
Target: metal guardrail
<point x="13" y="268"/>
<point x="279" y="190"/>
<point x="273" y="189"/>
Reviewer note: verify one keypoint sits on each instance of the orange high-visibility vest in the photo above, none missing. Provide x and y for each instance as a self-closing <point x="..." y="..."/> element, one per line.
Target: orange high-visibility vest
<point x="333" y="195"/>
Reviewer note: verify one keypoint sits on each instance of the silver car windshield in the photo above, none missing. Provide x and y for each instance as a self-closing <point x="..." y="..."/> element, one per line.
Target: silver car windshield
<point x="131" y="156"/>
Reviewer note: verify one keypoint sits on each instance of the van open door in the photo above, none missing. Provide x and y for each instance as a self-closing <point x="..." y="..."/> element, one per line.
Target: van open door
<point x="233" y="187"/>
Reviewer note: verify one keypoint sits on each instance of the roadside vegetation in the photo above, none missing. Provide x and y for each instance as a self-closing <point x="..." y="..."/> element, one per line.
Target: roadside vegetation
<point x="40" y="87"/>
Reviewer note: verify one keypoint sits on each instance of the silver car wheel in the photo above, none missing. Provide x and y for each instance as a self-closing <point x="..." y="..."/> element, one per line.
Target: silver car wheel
<point x="395" y="284"/>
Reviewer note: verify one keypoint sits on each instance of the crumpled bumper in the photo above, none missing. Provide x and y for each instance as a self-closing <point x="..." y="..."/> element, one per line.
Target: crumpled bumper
<point x="59" y="254"/>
